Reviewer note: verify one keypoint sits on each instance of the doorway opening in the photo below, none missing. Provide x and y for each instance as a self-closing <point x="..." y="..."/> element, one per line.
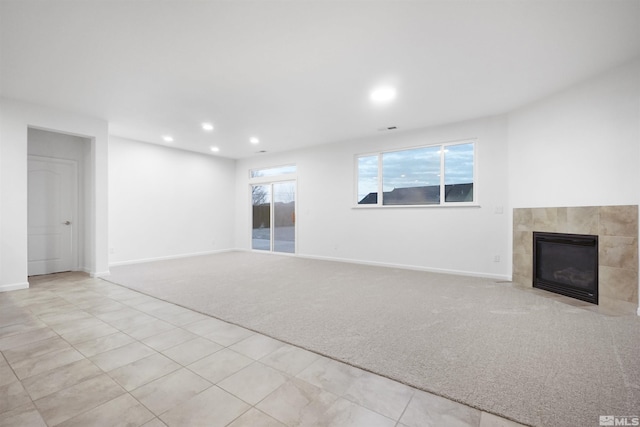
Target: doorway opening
<point x="58" y="171"/>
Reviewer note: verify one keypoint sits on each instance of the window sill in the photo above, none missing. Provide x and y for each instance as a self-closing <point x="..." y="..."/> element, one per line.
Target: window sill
<point x="448" y="205"/>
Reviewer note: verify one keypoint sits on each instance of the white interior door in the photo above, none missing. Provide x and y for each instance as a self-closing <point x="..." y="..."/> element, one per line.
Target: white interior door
<point x="52" y="198"/>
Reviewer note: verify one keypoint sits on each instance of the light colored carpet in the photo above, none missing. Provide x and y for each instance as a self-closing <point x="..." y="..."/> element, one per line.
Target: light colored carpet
<point x="486" y="344"/>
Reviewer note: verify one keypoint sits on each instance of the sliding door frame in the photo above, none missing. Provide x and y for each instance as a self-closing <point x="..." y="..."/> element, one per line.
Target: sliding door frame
<point x="270" y="182"/>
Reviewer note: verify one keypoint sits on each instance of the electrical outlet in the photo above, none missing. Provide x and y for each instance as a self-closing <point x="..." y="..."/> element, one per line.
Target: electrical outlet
<point x="496" y="258"/>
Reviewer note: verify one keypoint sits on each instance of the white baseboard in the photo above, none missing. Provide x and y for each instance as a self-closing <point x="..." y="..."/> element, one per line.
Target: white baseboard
<point x="99" y="274"/>
<point x="14" y="287"/>
<point x="95" y="274"/>
<point x="164" y="258"/>
<point x="504" y="277"/>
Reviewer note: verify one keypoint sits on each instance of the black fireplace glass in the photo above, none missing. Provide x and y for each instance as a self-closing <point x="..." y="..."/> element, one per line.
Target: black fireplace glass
<point x="567" y="264"/>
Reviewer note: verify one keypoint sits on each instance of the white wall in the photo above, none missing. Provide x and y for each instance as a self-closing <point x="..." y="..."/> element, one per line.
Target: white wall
<point x="580" y="147"/>
<point x="166" y="203"/>
<point x="452" y="239"/>
<point x="15" y="118"/>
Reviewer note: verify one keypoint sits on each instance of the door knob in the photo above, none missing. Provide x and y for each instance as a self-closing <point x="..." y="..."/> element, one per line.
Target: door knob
<point x="67" y="223"/>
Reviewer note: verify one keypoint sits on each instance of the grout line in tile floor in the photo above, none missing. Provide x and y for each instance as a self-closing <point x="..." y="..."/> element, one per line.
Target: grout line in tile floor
<point x="77" y="350"/>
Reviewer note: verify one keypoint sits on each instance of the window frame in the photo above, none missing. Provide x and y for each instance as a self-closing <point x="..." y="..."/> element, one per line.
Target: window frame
<point x="278" y="176"/>
<point x="380" y="191"/>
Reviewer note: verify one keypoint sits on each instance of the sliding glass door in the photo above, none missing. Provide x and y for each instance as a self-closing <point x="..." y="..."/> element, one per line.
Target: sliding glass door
<point x="274" y="217"/>
<point x="261" y="222"/>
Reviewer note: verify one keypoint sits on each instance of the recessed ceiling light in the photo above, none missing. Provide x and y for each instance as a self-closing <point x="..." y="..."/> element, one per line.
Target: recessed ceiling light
<point x="207" y="126"/>
<point x="214" y="149"/>
<point x="167" y="138"/>
<point x="254" y="140"/>
<point x="383" y="94"/>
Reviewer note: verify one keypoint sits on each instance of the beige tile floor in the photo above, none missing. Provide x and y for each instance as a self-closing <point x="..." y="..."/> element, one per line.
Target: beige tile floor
<point x="78" y="351"/>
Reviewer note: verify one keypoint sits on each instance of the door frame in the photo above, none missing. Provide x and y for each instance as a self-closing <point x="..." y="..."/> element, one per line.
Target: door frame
<point x="77" y="224"/>
<point x="270" y="181"/>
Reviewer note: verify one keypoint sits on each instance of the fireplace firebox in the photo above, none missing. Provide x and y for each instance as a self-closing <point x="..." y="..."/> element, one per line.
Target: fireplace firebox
<point x="566" y="264"/>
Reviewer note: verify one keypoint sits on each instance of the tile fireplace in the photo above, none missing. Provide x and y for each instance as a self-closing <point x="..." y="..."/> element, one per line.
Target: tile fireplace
<point x="615" y="229"/>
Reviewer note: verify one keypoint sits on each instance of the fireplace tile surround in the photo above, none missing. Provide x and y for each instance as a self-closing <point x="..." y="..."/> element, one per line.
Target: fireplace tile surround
<point x="617" y="231"/>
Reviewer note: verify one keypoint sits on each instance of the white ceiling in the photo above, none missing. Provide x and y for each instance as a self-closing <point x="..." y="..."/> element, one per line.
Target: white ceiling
<point x="298" y="73"/>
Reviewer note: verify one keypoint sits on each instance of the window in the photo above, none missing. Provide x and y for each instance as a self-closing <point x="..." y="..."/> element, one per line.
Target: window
<point x="368" y="179"/>
<point x="273" y="171"/>
<point x="418" y="176"/>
